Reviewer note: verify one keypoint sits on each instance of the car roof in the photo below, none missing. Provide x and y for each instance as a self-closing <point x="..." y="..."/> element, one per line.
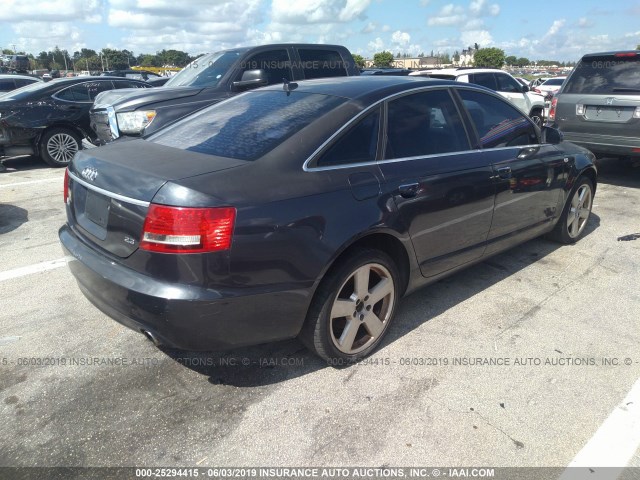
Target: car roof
<point x="457" y="71"/>
<point x="368" y="88"/>
<point x="24" y="77"/>
<point x="600" y="54"/>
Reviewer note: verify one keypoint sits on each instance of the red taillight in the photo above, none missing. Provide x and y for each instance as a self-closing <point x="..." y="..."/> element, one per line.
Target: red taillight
<point x="537" y="90"/>
<point x="187" y="230"/>
<point x="552" y="109"/>
<point x="66" y="185"/>
<point x="626" y="54"/>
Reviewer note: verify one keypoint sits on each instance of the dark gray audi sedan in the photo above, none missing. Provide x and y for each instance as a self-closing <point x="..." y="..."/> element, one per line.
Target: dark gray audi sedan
<point x="310" y="209"/>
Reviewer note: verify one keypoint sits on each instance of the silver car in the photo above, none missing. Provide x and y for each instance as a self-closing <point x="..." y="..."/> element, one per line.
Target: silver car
<point x="598" y="106"/>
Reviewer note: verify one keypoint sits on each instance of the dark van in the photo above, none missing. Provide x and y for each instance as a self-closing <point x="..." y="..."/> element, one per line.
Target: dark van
<point x="210" y="79"/>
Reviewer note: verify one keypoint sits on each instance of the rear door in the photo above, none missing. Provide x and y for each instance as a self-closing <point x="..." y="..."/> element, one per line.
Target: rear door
<point x="602" y="97"/>
<point x="444" y="190"/>
<point x="528" y="175"/>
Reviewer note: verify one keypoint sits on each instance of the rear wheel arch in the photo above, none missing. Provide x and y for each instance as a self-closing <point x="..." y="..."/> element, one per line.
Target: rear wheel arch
<point x="382" y="241"/>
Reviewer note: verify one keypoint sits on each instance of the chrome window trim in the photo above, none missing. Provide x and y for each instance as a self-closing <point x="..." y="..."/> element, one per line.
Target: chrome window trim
<point x="107" y="193"/>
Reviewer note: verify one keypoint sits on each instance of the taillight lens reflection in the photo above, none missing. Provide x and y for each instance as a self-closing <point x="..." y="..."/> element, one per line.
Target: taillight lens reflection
<point x="552" y="109"/>
<point x="187" y="230"/>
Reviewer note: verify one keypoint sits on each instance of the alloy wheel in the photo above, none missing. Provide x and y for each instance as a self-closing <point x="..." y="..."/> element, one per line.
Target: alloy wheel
<point x="579" y="211"/>
<point x="362" y="310"/>
<point x="62" y="147"/>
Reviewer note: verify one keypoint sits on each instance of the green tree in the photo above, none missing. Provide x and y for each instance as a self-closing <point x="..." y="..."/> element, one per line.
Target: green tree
<point x="511" y="60"/>
<point x="359" y="59"/>
<point x="383" y="59"/>
<point x="638" y="47"/>
<point x="489" y="58"/>
<point x="175" y="58"/>
<point x="147" y="60"/>
<point x="523" y="62"/>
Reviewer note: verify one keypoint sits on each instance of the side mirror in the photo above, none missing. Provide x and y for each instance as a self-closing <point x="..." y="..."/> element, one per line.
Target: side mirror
<point x="251" y="79"/>
<point x="525" y="89"/>
<point x="551" y="135"/>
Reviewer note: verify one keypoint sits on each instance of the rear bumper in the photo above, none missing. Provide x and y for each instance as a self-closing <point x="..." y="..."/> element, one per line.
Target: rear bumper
<point x="184" y="316"/>
<point x="605" y="144"/>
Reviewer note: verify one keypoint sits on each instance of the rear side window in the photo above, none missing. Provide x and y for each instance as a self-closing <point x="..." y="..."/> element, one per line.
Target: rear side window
<point x="84" y="92"/>
<point x="605" y="74"/>
<point x="497" y="123"/>
<point x="248" y="126"/>
<point x="128" y="84"/>
<point x="485" y="79"/>
<point x="318" y="63"/>
<point x="21" y="82"/>
<point x="6" y="85"/>
<point x="358" y="145"/>
<point x="424" y="123"/>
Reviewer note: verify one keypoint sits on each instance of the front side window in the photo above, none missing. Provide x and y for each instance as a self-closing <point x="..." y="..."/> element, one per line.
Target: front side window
<point x="318" y="63"/>
<point x="275" y="63"/>
<point x="497" y="123"/>
<point x="358" y="145"/>
<point x="248" y="126"/>
<point x="507" y="84"/>
<point x="424" y="123"/>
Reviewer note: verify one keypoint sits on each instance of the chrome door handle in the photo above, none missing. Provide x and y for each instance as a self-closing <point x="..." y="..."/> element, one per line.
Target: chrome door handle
<point x="409" y="190"/>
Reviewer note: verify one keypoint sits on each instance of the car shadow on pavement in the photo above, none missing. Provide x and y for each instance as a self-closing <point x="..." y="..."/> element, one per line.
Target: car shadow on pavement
<point x="280" y="361"/>
<point x="614" y="172"/>
<point x="23" y="163"/>
<point x="11" y="217"/>
<point x="433" y="300"/>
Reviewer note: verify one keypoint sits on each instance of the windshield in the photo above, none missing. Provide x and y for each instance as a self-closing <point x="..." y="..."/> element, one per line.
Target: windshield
<point x="205" y="71"/>
<point x="605" y="74"/>
<point x="248" y="126"/>
<point x="24" y="92"/>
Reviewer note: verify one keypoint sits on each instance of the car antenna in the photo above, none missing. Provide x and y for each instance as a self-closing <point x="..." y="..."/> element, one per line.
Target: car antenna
<point x="289" y="86"/>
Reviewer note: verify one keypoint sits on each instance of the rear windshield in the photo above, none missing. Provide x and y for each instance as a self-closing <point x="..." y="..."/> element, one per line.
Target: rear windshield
<point x="248" y="126"/>
<point x="605" y="74"/>
<point x="554" y="81"/>
<point x="205" y="71"/>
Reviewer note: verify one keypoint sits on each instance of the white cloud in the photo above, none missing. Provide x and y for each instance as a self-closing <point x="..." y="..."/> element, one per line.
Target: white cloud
<point x="401" y="39"/>
<point x="481" y="37"/>
<point x="376" y="45"/>
<point x="556" y="27"/>
<point x="370" y="27"/>
<point x="317" y="11"/>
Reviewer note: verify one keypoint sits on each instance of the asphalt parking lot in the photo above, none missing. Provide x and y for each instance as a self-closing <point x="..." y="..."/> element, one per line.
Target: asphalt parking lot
<point x="518" y="361"/>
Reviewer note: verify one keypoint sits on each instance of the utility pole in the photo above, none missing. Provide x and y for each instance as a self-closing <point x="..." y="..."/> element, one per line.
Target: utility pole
<point x="14" y="48"/>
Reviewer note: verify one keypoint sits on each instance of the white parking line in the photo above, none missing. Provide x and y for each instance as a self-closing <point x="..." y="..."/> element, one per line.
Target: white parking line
<point x="37" y="268"/>
<point x="614" y="444"/>
<point x="31" y="182"/>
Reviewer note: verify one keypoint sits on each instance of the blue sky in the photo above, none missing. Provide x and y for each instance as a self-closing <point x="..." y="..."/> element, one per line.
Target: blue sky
<point x="561" y="30"/>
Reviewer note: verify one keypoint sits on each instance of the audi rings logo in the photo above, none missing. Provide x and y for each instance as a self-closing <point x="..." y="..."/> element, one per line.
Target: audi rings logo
<point x="89" y="173"/>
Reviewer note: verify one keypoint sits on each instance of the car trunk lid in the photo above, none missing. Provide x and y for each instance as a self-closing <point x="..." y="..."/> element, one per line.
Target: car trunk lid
<point x="110" y="190"/>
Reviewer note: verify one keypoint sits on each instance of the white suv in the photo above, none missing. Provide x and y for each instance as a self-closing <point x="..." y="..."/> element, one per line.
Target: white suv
<point x="530" y="103"/>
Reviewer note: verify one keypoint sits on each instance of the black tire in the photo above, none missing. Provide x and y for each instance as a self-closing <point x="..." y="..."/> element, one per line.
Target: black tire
<point x="567" y="231"/>
<point x="58" y="146"/>
<point x="322" y="332"/>
<point x="537" y="115"/>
